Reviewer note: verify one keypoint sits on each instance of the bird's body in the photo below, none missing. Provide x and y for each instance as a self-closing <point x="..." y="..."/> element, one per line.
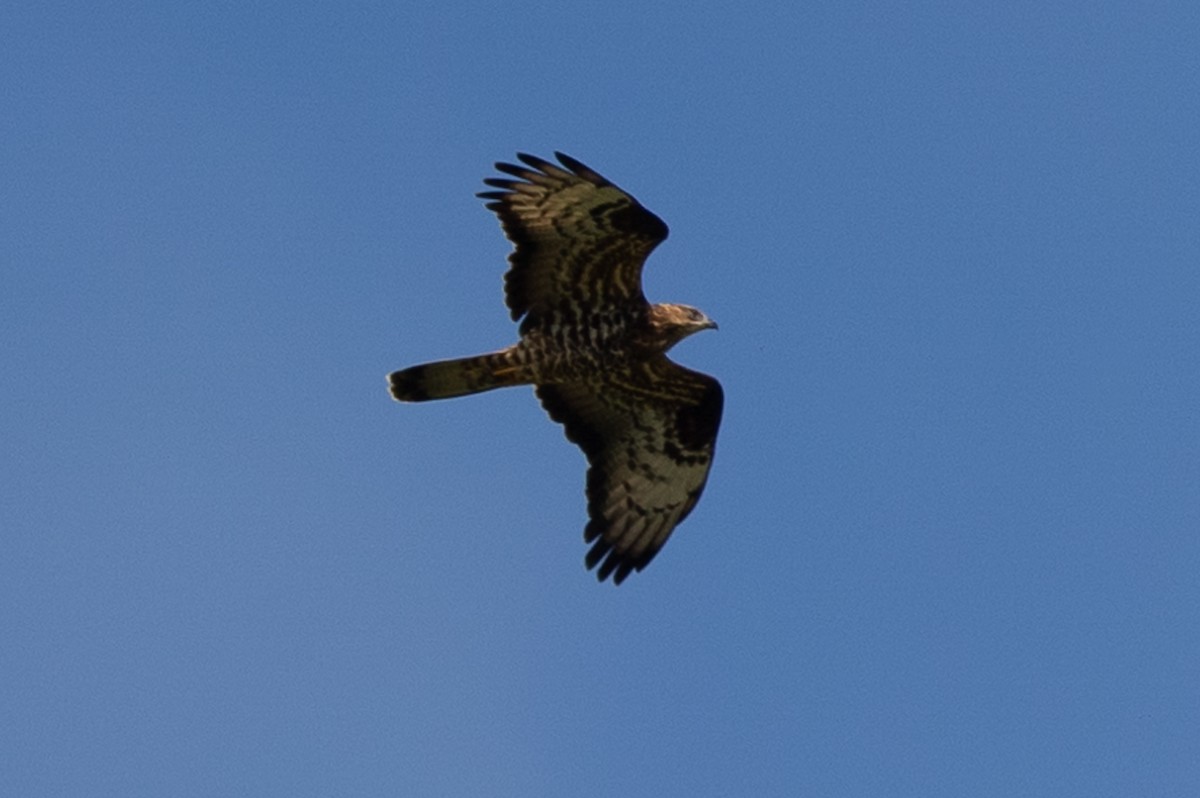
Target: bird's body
<point x="582" y="350"/>
<point x="596" y="351"/>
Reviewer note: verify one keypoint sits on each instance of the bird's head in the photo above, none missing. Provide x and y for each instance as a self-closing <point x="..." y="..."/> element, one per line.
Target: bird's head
<point x="672" y="323"/>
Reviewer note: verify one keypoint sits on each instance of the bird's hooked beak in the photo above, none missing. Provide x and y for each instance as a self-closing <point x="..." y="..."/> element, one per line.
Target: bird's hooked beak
<point x="709" y="324"/>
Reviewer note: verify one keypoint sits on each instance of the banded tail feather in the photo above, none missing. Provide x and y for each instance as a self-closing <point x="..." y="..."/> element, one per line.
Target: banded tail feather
<point x="445" y="379"/>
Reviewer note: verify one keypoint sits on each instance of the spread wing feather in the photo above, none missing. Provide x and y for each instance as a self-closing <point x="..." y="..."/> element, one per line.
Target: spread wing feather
<point x="579" y="240"/>
<point x="649" y="436"/>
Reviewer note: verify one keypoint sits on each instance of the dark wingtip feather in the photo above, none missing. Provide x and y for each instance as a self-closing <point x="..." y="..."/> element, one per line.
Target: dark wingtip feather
<point x="511" y="169"/>
<point x="571" y="163"/>
<point x="582" y="170"/>
<point x="608" y="566"/>
<point x="500" y="182"/>
<point x="623" y="570"/>
<point x="596" y="552"/>
<point x="612" y="563"/>
<point x="534" y="161"/>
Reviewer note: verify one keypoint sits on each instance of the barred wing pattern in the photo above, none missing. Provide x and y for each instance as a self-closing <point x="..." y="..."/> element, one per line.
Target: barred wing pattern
<point x="580" y="241"/>
<point x="649" y="436"/>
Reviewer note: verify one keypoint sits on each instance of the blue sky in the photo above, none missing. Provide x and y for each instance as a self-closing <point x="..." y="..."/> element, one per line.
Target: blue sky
<point x="949" y="546"/>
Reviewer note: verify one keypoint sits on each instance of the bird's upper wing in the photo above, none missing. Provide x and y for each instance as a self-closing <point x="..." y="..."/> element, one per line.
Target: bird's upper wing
<point x="579" y="240"/>
<point x="649" y="436"/>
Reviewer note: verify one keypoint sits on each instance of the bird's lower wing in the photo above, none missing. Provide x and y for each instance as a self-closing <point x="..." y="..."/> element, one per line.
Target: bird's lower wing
<point x="649" y="435"/>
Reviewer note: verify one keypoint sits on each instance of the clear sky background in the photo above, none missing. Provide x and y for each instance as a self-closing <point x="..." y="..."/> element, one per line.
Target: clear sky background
<point x="950" y="543"/>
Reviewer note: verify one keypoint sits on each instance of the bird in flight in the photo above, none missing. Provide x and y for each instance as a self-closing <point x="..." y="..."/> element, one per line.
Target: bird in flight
<point x="595" y="351"/>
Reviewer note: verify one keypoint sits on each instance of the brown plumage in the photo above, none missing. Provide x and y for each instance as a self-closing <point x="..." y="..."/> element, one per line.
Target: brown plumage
<point x="596" y="351"/>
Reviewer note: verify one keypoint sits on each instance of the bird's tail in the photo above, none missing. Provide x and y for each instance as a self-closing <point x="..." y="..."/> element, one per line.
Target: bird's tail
<point x="447" y="378"/>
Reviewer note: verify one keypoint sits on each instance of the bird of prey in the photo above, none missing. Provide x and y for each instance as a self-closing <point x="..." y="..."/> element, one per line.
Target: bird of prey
<point x="595" y="350"/>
